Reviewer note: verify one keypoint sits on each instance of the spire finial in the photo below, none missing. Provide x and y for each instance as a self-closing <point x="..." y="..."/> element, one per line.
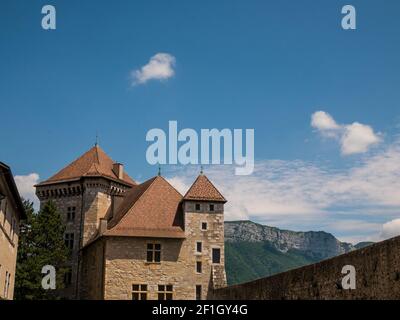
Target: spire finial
<point x="201" y="169"/>
<point x="97" y="139"/>
<point x="159" y="170"/>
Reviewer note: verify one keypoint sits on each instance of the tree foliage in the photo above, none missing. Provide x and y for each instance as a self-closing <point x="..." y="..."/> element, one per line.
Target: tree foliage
<point x="41" y="243"/>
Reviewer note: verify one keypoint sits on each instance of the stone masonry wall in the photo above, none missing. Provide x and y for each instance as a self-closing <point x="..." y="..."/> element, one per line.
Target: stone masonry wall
<point x="213" y="237"/>
<point x="97" y="202"/>
<point x="377" y="277"/>
<point x="126" y="265"/>
<point x="92" y="280"/>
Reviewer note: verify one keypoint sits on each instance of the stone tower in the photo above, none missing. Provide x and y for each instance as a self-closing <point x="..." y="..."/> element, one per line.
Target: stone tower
<point x="203" y="207"/>
<point x="84" y="192"/>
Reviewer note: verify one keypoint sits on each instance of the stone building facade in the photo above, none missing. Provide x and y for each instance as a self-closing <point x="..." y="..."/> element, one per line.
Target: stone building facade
<point x="11" y="212"/>
<point x="137" y="241"/>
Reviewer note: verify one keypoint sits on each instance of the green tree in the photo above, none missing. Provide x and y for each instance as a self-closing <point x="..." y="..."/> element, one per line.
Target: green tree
<point x="41" y="243"/>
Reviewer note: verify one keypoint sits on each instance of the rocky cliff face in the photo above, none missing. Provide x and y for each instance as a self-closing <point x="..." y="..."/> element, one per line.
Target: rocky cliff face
<point x="319" y="245"/>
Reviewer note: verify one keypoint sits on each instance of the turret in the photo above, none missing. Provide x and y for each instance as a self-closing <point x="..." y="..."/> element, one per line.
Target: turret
<point x="203" y="207"/>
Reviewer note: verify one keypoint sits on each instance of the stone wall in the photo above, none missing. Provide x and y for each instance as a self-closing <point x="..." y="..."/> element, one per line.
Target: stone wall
<point x="97" y="202"/>
<point x="92" y="279"/>
<point x="126" y="265"/>
<point x="377" y="277"/>
<point x="213" y="237"/>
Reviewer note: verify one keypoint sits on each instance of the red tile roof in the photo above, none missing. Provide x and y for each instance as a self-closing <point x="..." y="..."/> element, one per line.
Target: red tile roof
<point x="151" y="209"/>
<point x="93" y="163"/>
<point x="203" y="190"/>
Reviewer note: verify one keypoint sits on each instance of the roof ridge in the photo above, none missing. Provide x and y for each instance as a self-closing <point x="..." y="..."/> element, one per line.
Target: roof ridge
<point x="213" y="186"/>
<point x="97" y="153"/>
<point x="191" y="187"/>
<point x="135" y="203"/>
<point x="171" y="186"/>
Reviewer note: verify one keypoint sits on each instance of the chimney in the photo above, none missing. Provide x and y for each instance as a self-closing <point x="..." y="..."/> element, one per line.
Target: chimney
<point x="118" y="169"/>
<point x="103" y="226"/>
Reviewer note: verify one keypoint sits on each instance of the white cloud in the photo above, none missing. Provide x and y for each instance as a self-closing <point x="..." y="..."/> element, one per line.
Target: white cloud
<point x="25" y="185"/>
<point x="353" y="138"/>
<point x="357" y="138"/>
<point x="160" y="67"/>
<point x="323" y="121"/>
<point x="351" y="202"/>
<point x="391" y="229"/>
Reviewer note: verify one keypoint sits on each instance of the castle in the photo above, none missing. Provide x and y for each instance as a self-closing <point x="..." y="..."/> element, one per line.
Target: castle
<point x="136" y="241"/>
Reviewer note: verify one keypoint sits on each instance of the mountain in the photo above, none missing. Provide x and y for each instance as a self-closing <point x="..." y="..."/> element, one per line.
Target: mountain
<point x="253" y="250"/>
<point x="363" y="244"/>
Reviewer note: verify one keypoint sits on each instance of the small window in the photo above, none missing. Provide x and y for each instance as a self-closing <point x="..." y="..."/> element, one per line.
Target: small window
<point x="199" y="246"/>
<point x="153" y="252"/>
<point x="12" y="227"/>
<point x="211" y="208"/>
<point x="198" y="292"/>
<point x="69" y="240"/>
<point x="71" y="213"/>
<point x="165" y="292"/>
<point x="68" y="278"/>
<point x="139" y="292"/>
<point x="198" y="206"/>
<point x="204" y="226"/>
<point x="5" y="285"/>
<point x="198" y="266"/>
<point x="216" y="255"/>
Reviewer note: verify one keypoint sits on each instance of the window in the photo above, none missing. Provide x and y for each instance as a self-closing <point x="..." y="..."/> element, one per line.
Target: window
<point x="69" y="240"/>
<point x="165" y="292"/>
<point x="12" y="225"/>
<point x="197" y="206"/>
<point x="68" y="278"/>
<point x="198" y="292"/>
<point x="139" y="292"/>
<point x="199" y="247"/>
<point x="5" y="285"/>
<point x="7" y="282"/>
<point x="211" y="208"/>
<point x="204" y="226"/>
<point x="198" y="266"/>
<point x="153" y="252"/>
<point x="71" y="213"/>
<point x="5" y="211"/>
<point x="216" y="255"/>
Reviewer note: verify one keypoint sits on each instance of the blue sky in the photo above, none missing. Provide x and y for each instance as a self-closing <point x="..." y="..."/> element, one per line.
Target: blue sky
<point x="266" y="65"/>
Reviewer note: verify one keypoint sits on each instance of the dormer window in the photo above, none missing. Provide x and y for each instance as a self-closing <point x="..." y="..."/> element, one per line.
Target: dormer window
<point x="212" y="208"/>
<point x="197" y="207"/>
